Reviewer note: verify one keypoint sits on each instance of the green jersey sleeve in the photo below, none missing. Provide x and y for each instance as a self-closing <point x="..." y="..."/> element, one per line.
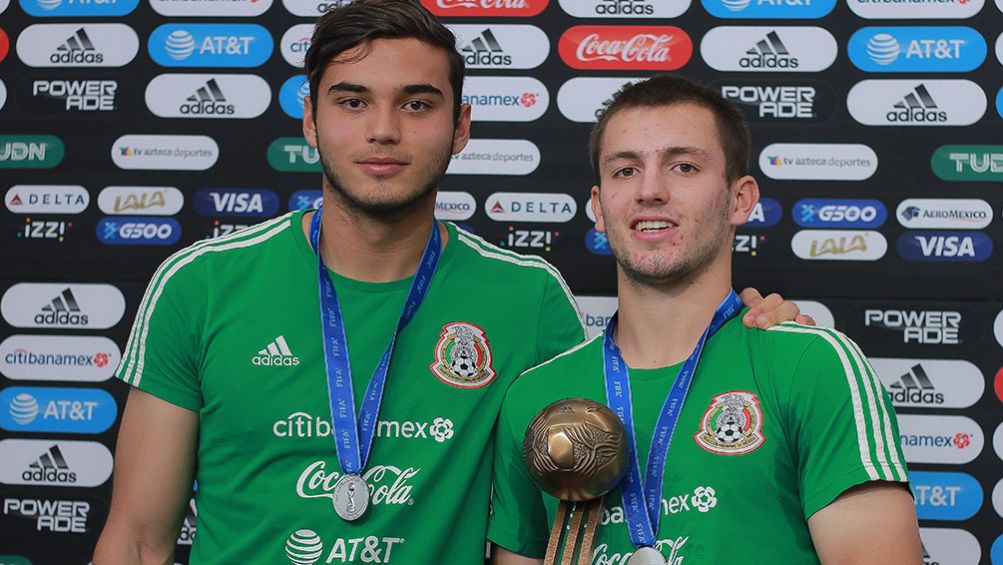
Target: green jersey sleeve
<point x="518" y="517"/>
<point x="559" y="325"/>
<point x="162" y="354"/>
<point x="842" y="424"/>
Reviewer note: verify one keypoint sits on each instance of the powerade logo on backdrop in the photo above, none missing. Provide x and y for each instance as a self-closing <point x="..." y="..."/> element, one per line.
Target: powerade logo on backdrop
<point x="779" y="100"/>
<point x="968" y="162"/>
<point x="839" y="213"/>
<point x="766" y="214"/>
<point x="137" y="230"/>
<point x="77" y="96"/>
<point x="81" y="8"/>
<point x="944" y="246"/>
<point x="917" y="49"/>
<point x="30" y="151"/>
<point x="63" y="410"/>
<point x="210" y="45"/>
<point x="238" y="202"/>
<point x="292" y="96"/>
<point x="945" y="496"/>
<point x="306" y="200"/>
<point x="772" y="9"/>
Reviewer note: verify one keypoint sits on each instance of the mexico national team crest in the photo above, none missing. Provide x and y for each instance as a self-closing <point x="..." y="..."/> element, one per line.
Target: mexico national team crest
<point x="732" y="425"/>
<point x="462" y="356"/>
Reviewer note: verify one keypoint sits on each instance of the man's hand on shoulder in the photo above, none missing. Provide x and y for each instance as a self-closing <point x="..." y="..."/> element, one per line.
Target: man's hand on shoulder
<point x="767" y="312"/>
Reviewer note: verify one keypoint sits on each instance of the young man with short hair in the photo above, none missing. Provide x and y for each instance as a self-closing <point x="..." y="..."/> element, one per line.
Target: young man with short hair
<point x="766" y="447"/>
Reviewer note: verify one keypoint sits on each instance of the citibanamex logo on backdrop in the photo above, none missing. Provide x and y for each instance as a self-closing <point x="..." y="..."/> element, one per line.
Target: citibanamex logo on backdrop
<point x="925" y="327"/>
<point x="769" y="9"/>
<point x="78" y="8"/>
<point x="839" y="213"/>
<point x="943" y="546"/>
<point x="892" y="9"/>
<point x="61" y="463"/>
<point x="210" y="45"/>
<point x="940" y="439"/>
<point x="61" y="410"/>
<point x="780" y="101"/>
<point x="496" y="157"/>
<point x="597" y="311"/>
<point x="945" y="496"/>
<point x="47" y="199"/>
<point x="766" y="214"/>
<point x="818" y="161"/>
<point x="768" y="49"/>
<point x="944" y="246"/>
<point x="294" y="44"/>
<point x="236" y="202"/>
<point x="501" y="46"/>
<point x="530" y="207"/>
<point x="30" y="151"/>
<point x="305" y="547"/>
<point x="26" y="517"/>
<point x="138" y="230"/>
<point x="505" y="99"/>
<point x="165" y="152"/>
<point x="582" y="99"/>
<point x="839" y="245"/>
<point x="917" y="49"/>
<point x="208" y="96"/>
<point x="981" y="163"/>
<point x="931" y="102"/>
<point x="62" y="305"/>
<point x="930" y="383"/>
<point x="201" y="8"/>
<point x="58" y="358"/>
<point x="944" y="213"/>
<point x="628" y="48"/>
<point x="140" y="200"/>
<point x="454" y="206"/>
<point x="625" y="8"/>
<point x="492" y="8"/>
<point x="77" y="45"/>
<point x="77" y="97"/>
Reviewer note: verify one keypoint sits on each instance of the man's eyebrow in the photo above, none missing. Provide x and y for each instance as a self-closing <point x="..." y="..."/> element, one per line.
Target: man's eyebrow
<point x="424" y="88"/>
<point x="626" y="155"/>
<point x="348" y="87"/>
<point x="675" y="151"/>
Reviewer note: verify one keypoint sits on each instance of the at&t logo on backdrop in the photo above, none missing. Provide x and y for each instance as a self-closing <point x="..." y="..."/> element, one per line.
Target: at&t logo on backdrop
<point x="78" y="8"/>
<point x="293" y="94"/>
<point x="917" y="49"/>
<point x="769" y="9"/>
<point x="945" y="496"/>
<point x="210" y="45"/>
<point x="62" y="410"/>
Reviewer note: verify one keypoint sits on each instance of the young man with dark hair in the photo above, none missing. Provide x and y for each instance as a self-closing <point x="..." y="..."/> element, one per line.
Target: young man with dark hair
<point x="332" y="378"/>
<point x="775" y="446"/>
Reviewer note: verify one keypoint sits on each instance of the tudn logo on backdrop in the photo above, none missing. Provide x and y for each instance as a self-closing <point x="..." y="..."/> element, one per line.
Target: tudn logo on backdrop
<point x="30" y="151"/>
<point x="652" y="48"/>
<point x="768" y="49"/>
<point x="210" y="45"/>
<point x="968" y="163"/>
<point x="916" y="103"/>
<point x="73" y="45"/>
<point x="501" y="46"/>
<point x="917" y="49"/>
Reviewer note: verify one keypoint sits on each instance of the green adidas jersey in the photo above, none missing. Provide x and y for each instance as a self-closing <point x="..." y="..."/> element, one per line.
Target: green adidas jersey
<point x="230" y="329"/>
<point x="776" y="425"/>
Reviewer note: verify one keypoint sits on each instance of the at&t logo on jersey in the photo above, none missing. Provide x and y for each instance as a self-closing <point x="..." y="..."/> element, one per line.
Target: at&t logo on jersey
<point x="769" y="9"/>
<point x="971" y="246"/>
<point x="138" y="230"/>
<point x="78" y="8"/>
<point x="501" y="46"/>
<point x="768" y="49"/>
<point x="916" y="103"/>
<point x="210" y="45"/>
<point x="493" y="8"/>
<point x="945" y="496"/>
<point x="251" y="202"/>
<point x="930" y="327"/>
<point x="305" y="547"/>
<point x="917" y="49"/>
<point x="65" y="410"/>
<point x="625" y="8"/>
<point x="940" y="439"/>
<point x="839" y="213"/>
<point x="652" y="48"/>
<point x="73" y="45"/>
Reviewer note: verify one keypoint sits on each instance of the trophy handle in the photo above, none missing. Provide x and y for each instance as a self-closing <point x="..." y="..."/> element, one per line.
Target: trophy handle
<point x="574" y="514"/>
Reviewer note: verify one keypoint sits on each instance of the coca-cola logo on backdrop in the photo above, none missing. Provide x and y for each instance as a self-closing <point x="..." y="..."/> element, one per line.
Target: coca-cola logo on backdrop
<point x="649" y="48"/>
<point x="505" y="8"/>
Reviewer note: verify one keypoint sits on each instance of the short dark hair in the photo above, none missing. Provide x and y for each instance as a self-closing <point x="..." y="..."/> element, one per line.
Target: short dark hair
<point x="667" y="90"/>
<point x="354" y="24"/>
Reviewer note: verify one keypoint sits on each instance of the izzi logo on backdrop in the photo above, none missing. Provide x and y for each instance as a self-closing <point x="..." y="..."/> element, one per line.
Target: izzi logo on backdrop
<point x="140" y="200"/>
<point x="61" y="410"/>
<point x="529" y="240"/>
<point x="58" y="463"/>
<point x="27" y="517"/>
<point x="30" y="151"/>
<point x="921" y="327"/>
<point x="650" y="48"/>
<point x="236" y="202"/>
<point x="780" y="101"/>
<point x="200" y="8"/>
<point x="769" y="9"/>
<point x="945" y="496"/>
<point x="505" y="99"/>
<point x="47" y="199"/>
<point x="893" y="9"/>
<point x="768" y="49"/>
<point x="292" y="96"/>
<point x="839" y="213"/>
<point x="210" y="45"/>
<point x="839" y="245"/>
<point x="766" y="214"/>
<point x="983" y="163"/>
<point x="933" y="102"/>
<point x="62" y="305"/>
<point x="493" y="8"/>
<point x="138" y="230"/>
<point x="944" y="213"/>
<point x="496" y="157"/>
<point x="625" y="8"/>
<point x="581" y="99"/>
<point x="917" y="49"/>
<point x="208" y="96"/>
<point x="930" y="383"/>
<point x="501" y="46"/>
<point x="550" y="207"/>
<point x="295" y="43"/>
<point x="77" y="45"/>
<point x="967" y="246"/>
<point x="747" y="244"/>
<point x="78" y="8"/>
<point x="55" y="230"/>
<point x="293" y="155"/>
<point x="73" y="96"/>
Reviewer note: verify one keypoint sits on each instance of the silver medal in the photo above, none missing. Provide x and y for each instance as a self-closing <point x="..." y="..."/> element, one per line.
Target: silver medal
<point x="646" y="556"/>
<point x="350" y="497"/>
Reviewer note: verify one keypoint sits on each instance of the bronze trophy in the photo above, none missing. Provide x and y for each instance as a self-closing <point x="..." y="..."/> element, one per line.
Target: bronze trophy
<point x="575" y="451"/>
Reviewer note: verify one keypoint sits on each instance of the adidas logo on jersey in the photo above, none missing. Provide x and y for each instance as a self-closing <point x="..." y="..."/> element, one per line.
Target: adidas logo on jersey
<point x="485" y="50"/>
<point x="769" y="53"/>
<point x="50" y="467"/>
<point x="915" y="387"/>
<point x="207" y="100"/>
<point x="78" y="48"/>
<point x="276" y="354"/>
<point x="917" y="106"/>
<point x="62" y="310"/>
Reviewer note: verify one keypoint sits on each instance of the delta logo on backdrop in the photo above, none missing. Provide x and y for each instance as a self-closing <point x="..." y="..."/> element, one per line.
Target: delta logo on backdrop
<point x="140" y="200"/>
<point x="58" y="358"/>
<point x="210" y="96"/>
<point x="839" y="213"/>
<point x="930" y="383"/>
<point x="62" y="410"/>
<point x="624" y="8"/>
<point x="30" y="151"/>
<point x="980" y="163"/>
<point x="292" y="96"/>
<point x="47" y="199"/>
<point x="77" y="45"/>
<point x="769" y="9"/>
<point x="628" y="48"/>
<point x="917" y="49"/>
<point x="493" y="8"/>
<point x="914" y="102"/>
<point x="530" y="207"/>
<point x="818" y="161"/>
<point x="501" y="46"/>
<point x="505" y="99"/>
<point x="945" y="496"/>
<point x="62" y="305"/>
<point x="210" y="45"/>
<point x="768" y="49"/>
<point x="78" y="8"/>
<point x="201" y="8"/>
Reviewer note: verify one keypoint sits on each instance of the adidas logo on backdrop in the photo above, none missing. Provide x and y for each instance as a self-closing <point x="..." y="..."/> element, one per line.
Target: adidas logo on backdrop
<point x="62" y="310"/>
<point x="207" y="100"/>
<point x="78" y="48"/>
<point x="485" y="50"/>
<point x="769" y="53"/>
<point x="276" y="354"/>
<point x="50" y="467"/>
<point x="917" y="106"/>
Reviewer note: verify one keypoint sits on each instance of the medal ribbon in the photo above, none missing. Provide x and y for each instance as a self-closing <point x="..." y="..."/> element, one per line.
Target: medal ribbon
<point x="642" y="500"/>
<point x="353" y="438"/>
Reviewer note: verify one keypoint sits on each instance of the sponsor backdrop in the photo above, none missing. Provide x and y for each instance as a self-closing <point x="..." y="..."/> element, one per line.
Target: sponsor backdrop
<point x="130" y="128"/>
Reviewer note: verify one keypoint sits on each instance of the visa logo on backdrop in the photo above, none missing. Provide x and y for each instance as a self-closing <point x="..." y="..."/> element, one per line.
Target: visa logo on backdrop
<point x="945" y="496"/>
<point x="64" y="410"/>
<point x="236" y="202"/>
<point x="138" y="230"/>
<point x="772" y="9"/>
<point x="953" y="49"/>
<point x="839" y="213"/>
<point x="210" y="45"/>
<point x="944" y="246"/>
<point x="78" y="8"/>
<point x="767" y="213"/>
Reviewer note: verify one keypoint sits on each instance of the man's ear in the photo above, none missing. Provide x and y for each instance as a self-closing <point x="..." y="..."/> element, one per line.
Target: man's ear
<point x="309" y="123"/>
<point x="461" y="134"/>
<point x="744" y="197"/>
<point x="597" y="209"/>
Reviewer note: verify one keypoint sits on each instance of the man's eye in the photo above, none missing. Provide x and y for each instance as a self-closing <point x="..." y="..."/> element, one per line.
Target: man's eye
<point x="416" y="105"/>
<point x="625" y="173"/>
<point x="686" y="168"/>
<point x="352" y="103"/>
